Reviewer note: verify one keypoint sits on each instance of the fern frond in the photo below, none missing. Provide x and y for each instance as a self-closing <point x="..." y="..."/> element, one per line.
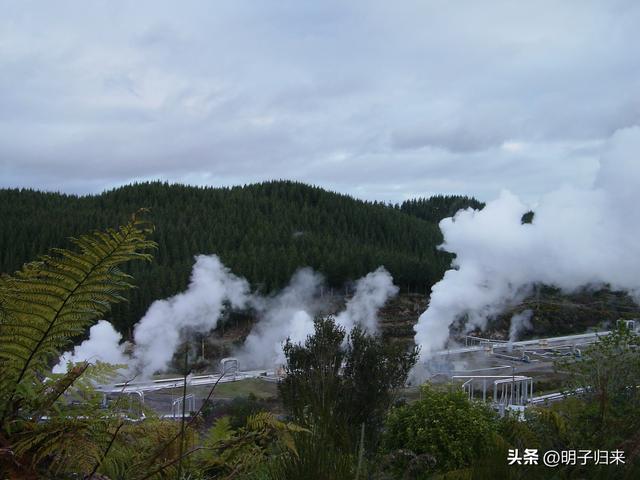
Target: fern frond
<point x="56" y="443"/>
<point x="56" y="389"/>
<point x="220" y="431"/>
<point x="48" y="302"/>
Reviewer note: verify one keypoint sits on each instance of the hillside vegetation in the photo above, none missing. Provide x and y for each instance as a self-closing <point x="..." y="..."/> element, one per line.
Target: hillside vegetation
<point x="263" y="232"/>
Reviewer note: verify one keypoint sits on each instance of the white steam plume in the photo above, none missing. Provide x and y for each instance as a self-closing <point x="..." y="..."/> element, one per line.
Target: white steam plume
<point x="290" y="314"/>
<point x="197" y="309"/>
<point x="102" y="345"/>
<point x="579" y="237"/>
<point x="372" y="292"/>
<point x="158" y="334"/>
<point x="287" y="315"/>
<point x="520" y="323"/>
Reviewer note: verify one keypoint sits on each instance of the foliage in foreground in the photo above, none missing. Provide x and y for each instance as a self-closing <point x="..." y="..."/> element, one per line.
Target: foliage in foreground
<point x="42" y="308"/>
<point x="608" y="374"/>
<point x="444" y="435"/>
<point x="442" y="424"/>
<point x="343" y="389"/>
<point x="314" y="458"/>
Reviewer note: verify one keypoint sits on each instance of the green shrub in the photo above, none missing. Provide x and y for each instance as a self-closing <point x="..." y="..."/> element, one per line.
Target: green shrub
<point x="442" y="424"/>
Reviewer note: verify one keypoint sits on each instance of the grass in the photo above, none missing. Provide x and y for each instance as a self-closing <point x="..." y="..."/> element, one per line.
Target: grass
<point x="242" y="388"/>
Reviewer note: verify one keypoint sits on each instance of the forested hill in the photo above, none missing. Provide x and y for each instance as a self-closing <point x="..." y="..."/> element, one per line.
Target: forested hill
<point x="434" y="209"/>
<point x="263" y="232"/>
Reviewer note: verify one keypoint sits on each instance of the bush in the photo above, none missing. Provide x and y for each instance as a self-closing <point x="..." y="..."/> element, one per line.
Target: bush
<point x="444" y="425"/>
<point x="315" y="458"/>
<point x="237" y="409"/>
<point x="340" y="387"/>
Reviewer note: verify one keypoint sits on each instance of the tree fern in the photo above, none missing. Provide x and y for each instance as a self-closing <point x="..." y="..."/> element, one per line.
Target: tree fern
<point x="42" y="308"/>
<point x="52" y="300"/>
<point x="56" y="443"/>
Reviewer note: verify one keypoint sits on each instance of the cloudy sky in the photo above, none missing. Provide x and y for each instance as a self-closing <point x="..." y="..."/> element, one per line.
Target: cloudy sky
<point x="378" y="99"/>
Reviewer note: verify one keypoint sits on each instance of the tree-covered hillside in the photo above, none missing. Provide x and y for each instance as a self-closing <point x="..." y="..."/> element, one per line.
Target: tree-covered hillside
<point x="434" y="209"/>
<point x="263" y="232"/>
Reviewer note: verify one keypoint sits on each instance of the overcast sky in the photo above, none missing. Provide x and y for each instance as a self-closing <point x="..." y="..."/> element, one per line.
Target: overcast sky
<point x="379" y="99"/>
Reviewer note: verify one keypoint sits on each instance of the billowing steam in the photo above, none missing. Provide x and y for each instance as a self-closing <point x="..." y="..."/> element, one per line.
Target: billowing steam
<point x="158" y="334"/>
<point x="578" y="237"/>
<point x="103" y="345"/>
<point x="520" y="323"/>
<point x="290" y="314"/>
<point x="372" y="292"/>
<point x="199" y="309"/>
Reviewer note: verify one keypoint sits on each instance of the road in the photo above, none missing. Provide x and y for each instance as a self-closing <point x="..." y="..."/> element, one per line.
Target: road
<point x="178" y="382"/>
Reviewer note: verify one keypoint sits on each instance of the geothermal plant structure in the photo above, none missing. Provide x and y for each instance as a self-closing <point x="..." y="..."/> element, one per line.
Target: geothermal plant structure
<point x="505" y="386"/>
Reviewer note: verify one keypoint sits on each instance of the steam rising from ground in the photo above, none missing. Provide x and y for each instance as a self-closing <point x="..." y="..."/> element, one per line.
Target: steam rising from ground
<point x="520" y="323"/>
<point x="290" y="314"/>
<point x="372" y="292"/>
<point x="103" y="345"/>
<point x="579" y="237"/>
<point x="158" y="334"/>
<point x="200" y="308"/>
